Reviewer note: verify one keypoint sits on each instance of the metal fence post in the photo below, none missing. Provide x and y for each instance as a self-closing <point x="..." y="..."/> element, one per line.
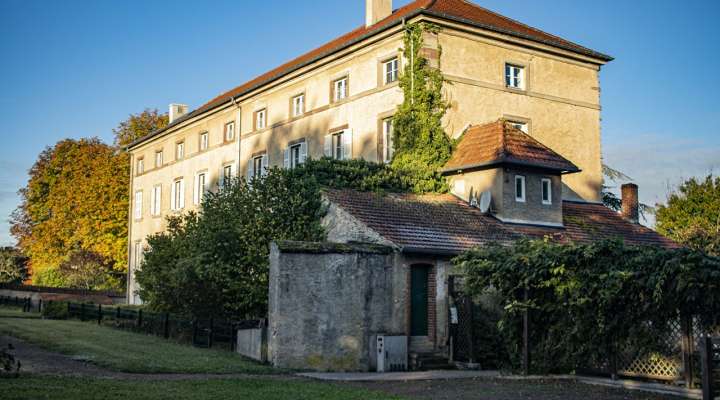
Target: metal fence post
<point x="40" y="304"/>
<point x="82" y="311"/>
<point x="210" y="334"/>
<point x="526" y="337"/>
<point x="194" y="331"/>
<point x="139" y="319"/>
<point x="687" y="350"/>
<point x="99" y="317"/>
<point x="706" y="359"/>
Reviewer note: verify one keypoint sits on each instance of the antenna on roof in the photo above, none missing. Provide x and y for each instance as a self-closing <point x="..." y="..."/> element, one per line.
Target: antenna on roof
<point x="485" y="199"/>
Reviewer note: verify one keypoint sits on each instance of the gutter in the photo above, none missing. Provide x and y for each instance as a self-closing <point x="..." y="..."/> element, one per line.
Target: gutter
<point x="500" y="162"/>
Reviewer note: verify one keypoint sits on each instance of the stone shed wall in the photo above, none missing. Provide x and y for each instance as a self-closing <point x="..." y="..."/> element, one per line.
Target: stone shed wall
<point x="328" y="301"/>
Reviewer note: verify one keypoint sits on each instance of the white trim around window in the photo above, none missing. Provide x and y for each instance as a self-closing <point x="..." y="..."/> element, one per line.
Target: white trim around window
<point x="138" y="204"/>
<point x="546" y="188"/>
<point x="519" y="188"/>
<point x="177" y="196"/>
<point x="340" y="89"/>
<point x="514" y="76"/>
<point x="298" y="105"/>
<point x="156" y="201"/>
<point x="391" y="69"/>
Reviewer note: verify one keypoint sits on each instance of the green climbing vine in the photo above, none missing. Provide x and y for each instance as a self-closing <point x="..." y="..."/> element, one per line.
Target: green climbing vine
<point x="421" y="145"/>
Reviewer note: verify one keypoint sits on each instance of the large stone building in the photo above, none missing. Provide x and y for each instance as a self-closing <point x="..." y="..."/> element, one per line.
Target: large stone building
<point x="338" y="100"/>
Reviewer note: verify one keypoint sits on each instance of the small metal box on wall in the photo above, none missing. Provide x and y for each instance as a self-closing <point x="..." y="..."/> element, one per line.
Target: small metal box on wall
<point x="391" y="353"/>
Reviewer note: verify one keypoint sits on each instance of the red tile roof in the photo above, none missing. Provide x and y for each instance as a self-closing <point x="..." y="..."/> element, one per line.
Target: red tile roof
<point x="501" y="143"/>
<point x="443" y="224"/>
<point x="455" y="10"/>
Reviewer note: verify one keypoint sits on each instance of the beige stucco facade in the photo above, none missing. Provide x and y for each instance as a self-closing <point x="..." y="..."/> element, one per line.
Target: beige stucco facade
<point x="560" y="103"/>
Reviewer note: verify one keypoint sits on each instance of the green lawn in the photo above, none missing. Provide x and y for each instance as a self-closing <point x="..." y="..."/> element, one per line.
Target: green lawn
<point x="16" y="312"/>
<point x="267" y="389"/>
<point x="125" y="351"/>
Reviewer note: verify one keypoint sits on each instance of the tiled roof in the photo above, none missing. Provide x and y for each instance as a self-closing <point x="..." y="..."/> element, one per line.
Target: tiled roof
<point x="456" y="10"/>
<point x="501" y="143"/>
<point x="438" y="223"/>
<point x="443" y="224"/>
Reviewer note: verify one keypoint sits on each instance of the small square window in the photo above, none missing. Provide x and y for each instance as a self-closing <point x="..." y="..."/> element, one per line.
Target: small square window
<point x="179" y="150"/>
<point x="158" y="159"/>
<point x="298" y="105"/>
<point x="204" y="141"/>
<point x="260" y="119"/>
<point x="390" y="70"/>
<point x="546" y="191"/>
<point x="514" y="76"/>
<point x="520" y="188"/>
<point x="230" y="131"/>
<point x="340" y="89"/>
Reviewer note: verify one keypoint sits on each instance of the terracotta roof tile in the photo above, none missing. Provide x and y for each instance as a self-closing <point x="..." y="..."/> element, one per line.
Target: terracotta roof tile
<point x="444" y="224"/>
<point x="457" y="10"/>
<point x="501" y="143"/>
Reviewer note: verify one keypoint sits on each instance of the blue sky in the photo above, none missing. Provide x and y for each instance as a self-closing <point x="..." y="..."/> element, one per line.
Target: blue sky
<point x="77" y="68"/>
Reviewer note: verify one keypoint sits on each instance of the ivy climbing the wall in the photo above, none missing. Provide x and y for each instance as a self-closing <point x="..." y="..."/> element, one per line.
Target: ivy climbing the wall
<point x="421" y="145"/>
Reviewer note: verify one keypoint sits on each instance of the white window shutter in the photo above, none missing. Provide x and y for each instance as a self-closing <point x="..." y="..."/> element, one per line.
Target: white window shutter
<point x="250" y="172"/>
<point x="327" y="149"/>
<point x="173" y="206"/>
<point x="303" y="152"/>
<point x="347" y="140"/>
<point x="196" y="190"/>
<point x="182" y="194"/>
<point x="264" y="165"/>
<point x="286" y="158"/>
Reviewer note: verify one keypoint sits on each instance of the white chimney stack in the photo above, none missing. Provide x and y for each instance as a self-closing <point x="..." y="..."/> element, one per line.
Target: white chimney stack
<point x="177" y="111"/>
<point x="376" y="10"/>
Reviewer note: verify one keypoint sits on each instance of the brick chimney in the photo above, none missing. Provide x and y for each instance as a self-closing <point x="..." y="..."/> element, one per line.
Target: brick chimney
<point x="376" y="10"/>
<point x="630" y="202"/>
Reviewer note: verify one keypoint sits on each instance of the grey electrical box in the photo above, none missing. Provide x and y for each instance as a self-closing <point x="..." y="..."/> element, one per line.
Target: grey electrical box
<point x="391" y="353"/>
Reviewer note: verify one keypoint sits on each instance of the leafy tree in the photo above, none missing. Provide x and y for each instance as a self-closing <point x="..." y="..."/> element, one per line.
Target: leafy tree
<point x="76" y="200"/>
<point x="215" y="262"/>
<point x="692" y="215"/>
<point x="87" y="270"/>
<point x="421" y="145"/>
<point x="139" y="125"/>
<point x="13" y="266"/>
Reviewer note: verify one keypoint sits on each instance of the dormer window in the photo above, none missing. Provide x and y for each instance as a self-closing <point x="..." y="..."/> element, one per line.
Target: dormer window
<point x="519" y="188"/>
<point x="514" y="76"/>
<point x="546" y="191"/>
<point x="523" y="126"/>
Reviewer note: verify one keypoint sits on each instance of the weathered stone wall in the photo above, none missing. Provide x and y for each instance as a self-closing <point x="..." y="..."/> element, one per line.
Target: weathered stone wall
<point x="327" y="302"/>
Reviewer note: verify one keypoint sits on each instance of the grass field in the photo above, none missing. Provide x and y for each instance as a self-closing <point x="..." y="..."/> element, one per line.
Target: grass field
<point x="66" y="388"/>
<point x="121" y="350"/>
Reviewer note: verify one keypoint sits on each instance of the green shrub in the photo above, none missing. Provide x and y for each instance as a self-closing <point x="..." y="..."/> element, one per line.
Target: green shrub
<point x="55" y="310"/>
<point x="587" y="301"/>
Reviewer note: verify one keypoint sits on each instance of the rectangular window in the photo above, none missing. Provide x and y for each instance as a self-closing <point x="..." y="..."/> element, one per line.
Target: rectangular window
<point x="388" y="145"/>
<point x="523" y="126"/>
<point x="179" y="150"/>
<point x="260" y="119"/>
<point x="257" y="166"/>
<point x="204" y="141"/>
<point x="200" y="187"/>
<point x="138" y="204"/>
<point x="340" y="89"/>
<point x="156" y="200"/>
<point x="520" y="188"/>
<point x="390" y="70"/>
<point x="230" y="131"/>
<point x="158" y="159"/>
<point x="138" y="253"/>
<point x="337" y="146"/>
<point x="514" y="76"/>
<point x="295" y="154"/>
<point x="298" y="105"/>
<point x="546" y="191"/>
<point x="178" y="194"/>
<point x="140" y="166"/>
<point x="227" y="173"/>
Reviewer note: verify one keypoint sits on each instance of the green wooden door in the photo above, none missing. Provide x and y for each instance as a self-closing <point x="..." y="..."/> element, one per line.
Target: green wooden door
<point x="419" y="301"/>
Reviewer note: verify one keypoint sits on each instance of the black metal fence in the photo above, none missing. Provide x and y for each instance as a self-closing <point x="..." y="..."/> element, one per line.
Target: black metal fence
<point x="200" y="332"/>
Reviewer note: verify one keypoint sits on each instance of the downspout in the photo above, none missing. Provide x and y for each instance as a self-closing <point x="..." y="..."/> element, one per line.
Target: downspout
<point x="239" y="133"/>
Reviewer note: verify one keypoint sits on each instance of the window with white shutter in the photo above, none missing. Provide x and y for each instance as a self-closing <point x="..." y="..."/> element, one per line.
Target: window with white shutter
<point x="156" y="200"/>
<point x="177" y="193"/>
<point x="295" y="154"/>
<point x="138" y="204"/>
<point x="199" y="187"/>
